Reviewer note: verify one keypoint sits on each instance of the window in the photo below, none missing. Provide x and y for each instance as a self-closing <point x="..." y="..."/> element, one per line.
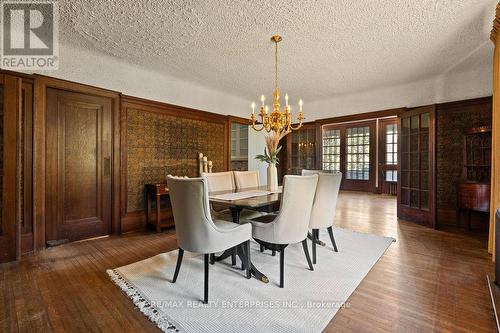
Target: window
<point x="391" y="146"/>
<point x="391" y="151"/>
<point x="331" y="150"/>
<point x="239" y="142"/>
<point x="358" y="153"/>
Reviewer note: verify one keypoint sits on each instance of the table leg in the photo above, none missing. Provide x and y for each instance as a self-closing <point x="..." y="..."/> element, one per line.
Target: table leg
<point x="148" y="215"/>
<point x="158" y="222"/>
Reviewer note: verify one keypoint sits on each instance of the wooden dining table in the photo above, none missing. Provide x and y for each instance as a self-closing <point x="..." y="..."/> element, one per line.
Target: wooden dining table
<point x="259" y="203"/>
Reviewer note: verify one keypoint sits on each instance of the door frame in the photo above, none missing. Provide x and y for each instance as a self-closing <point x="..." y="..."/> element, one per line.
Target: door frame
<point x="382" y="152"/>
<point x="39" y="152"/>
<point x="352" y="184"/>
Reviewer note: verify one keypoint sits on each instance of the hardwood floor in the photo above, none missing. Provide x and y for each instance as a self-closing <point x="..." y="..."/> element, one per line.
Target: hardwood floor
<point x="428" y="281"/>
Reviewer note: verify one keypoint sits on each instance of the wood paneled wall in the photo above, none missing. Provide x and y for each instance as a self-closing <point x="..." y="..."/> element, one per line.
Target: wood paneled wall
<point x="452" y="122"/>
<point x="160" y="139"/>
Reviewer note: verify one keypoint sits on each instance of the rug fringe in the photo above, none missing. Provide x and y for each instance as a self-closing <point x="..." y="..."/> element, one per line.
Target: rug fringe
<point x="141" y="303"/>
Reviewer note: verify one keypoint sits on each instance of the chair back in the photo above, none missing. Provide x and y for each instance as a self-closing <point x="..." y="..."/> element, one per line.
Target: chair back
<point x="292" y="222"/>
<point x="325" y="200"/>
<point x="219" y="181"/>
<point x="246" y="179"/>
<point x="190" y="206"/>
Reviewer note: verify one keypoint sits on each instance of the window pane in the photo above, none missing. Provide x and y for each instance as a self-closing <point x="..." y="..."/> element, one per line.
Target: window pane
<point x="358" y="153"/>
<point x="331" y="150"/>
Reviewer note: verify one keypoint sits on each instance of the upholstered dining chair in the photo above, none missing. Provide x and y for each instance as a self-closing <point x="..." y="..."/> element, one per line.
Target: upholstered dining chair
<point x="290" y="225"/>
<point x="324" y="206"/>
<point x="195" y="229"/>
<point x="246" y="179"/>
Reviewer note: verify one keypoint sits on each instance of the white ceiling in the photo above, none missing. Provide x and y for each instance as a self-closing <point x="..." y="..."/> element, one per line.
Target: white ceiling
<point x="329" y="48"/>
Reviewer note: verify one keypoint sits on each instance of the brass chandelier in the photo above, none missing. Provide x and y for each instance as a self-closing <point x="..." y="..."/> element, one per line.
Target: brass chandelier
<point x="277" y="121"/>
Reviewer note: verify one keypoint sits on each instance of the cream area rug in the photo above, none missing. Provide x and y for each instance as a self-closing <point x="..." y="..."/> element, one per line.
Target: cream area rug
<point x="307" y="303"/>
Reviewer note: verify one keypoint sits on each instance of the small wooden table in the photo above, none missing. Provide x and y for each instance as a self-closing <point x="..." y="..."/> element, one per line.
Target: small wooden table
<point x="154" y="193"/>
<point x="236" y="206"/>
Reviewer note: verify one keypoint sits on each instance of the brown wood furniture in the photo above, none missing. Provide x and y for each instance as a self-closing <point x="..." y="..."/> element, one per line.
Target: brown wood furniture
<point x="236" y="206"/>
<point x="416" y="156"/>
<point x="163" y="217"/>
<point x="474" y="190"/>
<point x="473" y="196"/>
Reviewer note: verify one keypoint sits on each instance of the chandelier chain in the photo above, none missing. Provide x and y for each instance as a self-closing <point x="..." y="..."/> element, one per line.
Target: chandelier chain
<point x="276" y="65"/>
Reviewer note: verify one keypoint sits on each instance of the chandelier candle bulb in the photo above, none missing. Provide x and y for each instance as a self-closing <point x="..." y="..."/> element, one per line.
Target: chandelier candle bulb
<point x="286" y="99"/>
<point x="262" y="99"/>
<point x="253" y="108"/>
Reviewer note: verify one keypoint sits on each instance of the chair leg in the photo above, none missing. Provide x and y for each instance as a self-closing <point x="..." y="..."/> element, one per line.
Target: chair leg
<point x="233" y="256"/>
<point x="314" y="238"/>
<point x="306" y="251"/>
<point x="330" y="232"/>
<point x="212" y="258"/>
<point x="205" y="299"/>
<point x="249" y="262"/>
<point x="178" y="266"/>
<point x="274" y="253"/>
<point x="282" y="268"/>
<point x="262" y="248"/>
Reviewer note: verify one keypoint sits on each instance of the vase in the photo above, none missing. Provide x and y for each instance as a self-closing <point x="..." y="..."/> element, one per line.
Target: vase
<point x="272" y="177"/>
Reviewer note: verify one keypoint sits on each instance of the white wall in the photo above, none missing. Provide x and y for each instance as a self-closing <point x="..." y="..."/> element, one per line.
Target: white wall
<point x="97" y="69"/>
<point x="443" y="88"/>
<point x="256" y="145"/>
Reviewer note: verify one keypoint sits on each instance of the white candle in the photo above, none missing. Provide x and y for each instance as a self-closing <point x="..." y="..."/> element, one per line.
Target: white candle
<point x="286" y="99"/>
<point x="262" y="99"/>
<point x="300" y="105"/>
<point x="266" y="109"/>
<point x="253" y="108"/>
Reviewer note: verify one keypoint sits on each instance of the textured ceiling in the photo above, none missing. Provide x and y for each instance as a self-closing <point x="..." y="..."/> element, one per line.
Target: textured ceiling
<point x="329" y="48"/>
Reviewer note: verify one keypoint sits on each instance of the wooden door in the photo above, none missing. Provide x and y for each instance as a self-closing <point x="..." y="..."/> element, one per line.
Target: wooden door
<point x="78" y="166"/>
<point x="416" y="176"/>
<point x="10" y="106"/>
<point x="388" y="156"/>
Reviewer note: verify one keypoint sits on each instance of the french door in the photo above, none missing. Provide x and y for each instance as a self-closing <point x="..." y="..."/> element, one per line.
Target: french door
<point x="350" y="149"/>
<point x="388" y="156"/>
<point x="416" y="176"/>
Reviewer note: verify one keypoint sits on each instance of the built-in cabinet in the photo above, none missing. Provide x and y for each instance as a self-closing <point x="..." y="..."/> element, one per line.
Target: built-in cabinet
<point x="300" y="150"/>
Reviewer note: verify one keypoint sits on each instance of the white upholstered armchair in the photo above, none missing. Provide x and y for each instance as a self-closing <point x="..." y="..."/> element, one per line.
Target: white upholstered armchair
<point x="195" y="229"/>
<point x="324" y="206"/>
<point x="276" y="231"/>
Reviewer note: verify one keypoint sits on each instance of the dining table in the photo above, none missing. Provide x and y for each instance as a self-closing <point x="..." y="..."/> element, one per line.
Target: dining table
<point x="254" y="198"/>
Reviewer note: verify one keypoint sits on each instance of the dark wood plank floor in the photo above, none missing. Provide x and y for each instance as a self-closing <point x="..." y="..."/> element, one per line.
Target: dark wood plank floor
<point x="428" y="281"/>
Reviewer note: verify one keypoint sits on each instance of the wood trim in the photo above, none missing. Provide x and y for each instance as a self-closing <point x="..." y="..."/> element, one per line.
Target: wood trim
<point x="39" y="137"/>
<point x="381" y="148"/>
<point x="496" y="25"/>
<point x="495" y="137"/>
<point x="171" y="109"/>
<point x="459" y="105"/>
<point x="361" y="116"/>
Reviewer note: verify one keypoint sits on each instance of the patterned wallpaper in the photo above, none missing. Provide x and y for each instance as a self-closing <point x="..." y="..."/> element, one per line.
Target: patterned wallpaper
<point x="160" y="144"/>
